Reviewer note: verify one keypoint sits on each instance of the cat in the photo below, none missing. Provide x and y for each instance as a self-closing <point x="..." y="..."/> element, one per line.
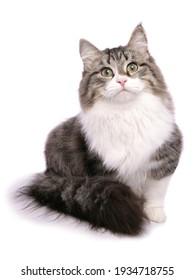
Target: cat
<point x="110" y="165"/>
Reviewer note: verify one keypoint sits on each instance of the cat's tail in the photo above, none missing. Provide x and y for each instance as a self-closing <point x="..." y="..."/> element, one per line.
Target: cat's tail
<point x="100" y="201"/>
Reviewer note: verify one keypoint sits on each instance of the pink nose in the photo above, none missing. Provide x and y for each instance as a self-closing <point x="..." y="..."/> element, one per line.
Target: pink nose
<point x="122" y="81"/>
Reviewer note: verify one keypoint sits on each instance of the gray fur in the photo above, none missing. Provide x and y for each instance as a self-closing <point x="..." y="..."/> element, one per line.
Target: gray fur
<point x="92" y="84"/>
<point x="67" y="152"/>
<point x="76" y="181"/>
<point x="167" y="156"/>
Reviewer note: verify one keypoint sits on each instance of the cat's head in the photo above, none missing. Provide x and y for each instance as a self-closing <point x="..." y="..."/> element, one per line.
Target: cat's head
<point x="120" y="74"/>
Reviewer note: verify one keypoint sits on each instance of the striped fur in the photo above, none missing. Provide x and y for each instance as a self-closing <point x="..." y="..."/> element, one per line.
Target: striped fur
<point x="110" y="166"/>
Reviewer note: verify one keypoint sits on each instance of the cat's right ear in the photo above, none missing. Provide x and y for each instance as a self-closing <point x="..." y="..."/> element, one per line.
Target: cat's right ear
<point x="88" y="53"/>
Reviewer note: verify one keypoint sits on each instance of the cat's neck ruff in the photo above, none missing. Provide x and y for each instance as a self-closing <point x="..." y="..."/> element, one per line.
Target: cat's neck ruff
<point x="125" y="136"/>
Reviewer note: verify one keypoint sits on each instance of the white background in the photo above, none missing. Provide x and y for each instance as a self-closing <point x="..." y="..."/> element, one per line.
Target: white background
<point x="40" y="70"/>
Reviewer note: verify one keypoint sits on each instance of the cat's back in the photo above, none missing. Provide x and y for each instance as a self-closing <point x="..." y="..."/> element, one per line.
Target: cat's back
<point x="65" y="148"/>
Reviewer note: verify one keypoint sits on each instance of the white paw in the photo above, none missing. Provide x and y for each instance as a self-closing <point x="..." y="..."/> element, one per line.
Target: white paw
<point x="156" y="214"/>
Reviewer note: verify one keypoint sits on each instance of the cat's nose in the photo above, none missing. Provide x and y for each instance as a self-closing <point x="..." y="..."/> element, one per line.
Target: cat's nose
<point x="122" y="81"/>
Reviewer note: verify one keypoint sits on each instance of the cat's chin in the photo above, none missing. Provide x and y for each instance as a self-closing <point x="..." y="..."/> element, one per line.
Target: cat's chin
<point x="124" y="96"/>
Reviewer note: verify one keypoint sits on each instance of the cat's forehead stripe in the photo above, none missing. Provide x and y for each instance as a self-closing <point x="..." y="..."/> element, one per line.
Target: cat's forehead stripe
<point x="115" y="54"/>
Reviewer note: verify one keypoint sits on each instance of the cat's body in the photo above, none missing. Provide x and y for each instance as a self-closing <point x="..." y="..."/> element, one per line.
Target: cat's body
<point x="111" y="164"/>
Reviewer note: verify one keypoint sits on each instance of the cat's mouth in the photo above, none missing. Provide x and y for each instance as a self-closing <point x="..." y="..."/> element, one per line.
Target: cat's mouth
<point x="124" y="95"/>
<point x="125" y="91"/>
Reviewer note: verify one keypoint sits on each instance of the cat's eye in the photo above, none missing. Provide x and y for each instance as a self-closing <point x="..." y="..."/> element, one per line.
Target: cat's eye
<point x="132" y="68"/>
<point x="107" y="72"/>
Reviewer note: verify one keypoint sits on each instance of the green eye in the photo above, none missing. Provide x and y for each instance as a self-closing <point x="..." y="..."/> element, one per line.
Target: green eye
<point x="132" y="68"/>
<point x="107" y="72"/>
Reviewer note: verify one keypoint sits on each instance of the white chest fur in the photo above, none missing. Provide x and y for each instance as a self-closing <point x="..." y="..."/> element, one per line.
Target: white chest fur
<point x="126" y="135"/>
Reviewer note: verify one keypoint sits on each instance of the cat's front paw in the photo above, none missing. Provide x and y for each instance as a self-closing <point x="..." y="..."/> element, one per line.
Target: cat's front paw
<point x="156" y="214"/>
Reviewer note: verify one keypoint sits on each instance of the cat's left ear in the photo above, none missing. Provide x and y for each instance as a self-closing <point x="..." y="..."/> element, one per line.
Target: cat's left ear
<point x="138" y="39"/>
<point x="88" y="53"/>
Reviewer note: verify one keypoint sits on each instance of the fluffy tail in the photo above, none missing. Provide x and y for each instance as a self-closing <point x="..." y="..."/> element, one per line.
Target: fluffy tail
<point x="101" y="202"/>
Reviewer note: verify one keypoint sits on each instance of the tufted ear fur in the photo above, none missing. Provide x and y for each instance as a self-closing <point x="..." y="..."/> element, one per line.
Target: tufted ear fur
<point x="88" y="53"/>
<point x="138" y="39"/>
